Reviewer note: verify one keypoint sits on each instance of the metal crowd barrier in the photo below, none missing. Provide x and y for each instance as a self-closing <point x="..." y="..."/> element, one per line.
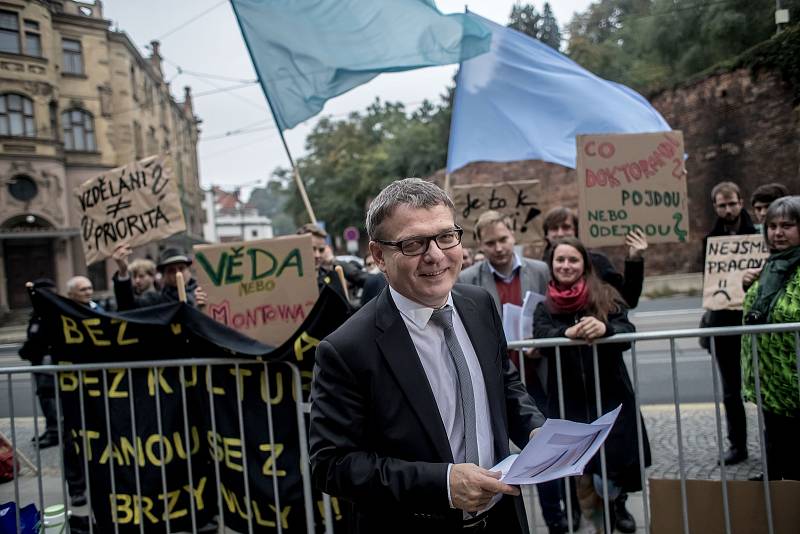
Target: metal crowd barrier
<point x="301" y="408"/>
<point x="37" y="495"/>
<point x="671" y="336"/>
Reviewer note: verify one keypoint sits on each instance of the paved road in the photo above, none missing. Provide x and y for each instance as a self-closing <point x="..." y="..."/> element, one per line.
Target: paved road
<point x="693" y="364"/>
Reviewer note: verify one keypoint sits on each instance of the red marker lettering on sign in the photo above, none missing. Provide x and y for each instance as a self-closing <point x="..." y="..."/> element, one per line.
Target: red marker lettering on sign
<point x="604" y="149"/>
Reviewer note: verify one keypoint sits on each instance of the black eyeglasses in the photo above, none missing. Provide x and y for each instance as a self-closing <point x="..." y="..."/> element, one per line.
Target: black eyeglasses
<point x="418" y="244"/>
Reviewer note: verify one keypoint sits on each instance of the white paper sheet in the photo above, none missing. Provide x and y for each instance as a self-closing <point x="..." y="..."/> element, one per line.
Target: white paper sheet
<point x="512" y="321"/>
<point x="528" y="307"/>
<point x="560" y="448"/>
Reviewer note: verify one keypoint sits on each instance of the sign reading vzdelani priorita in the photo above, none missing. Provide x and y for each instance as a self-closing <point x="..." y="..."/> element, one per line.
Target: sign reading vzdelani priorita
<point x="135" y="204"/>
<point x="632" y="181"/>
<point x="264" y="288"/>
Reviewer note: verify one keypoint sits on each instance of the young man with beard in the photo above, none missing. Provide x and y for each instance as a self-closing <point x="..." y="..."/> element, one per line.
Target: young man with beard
<point x="732" y="219"/>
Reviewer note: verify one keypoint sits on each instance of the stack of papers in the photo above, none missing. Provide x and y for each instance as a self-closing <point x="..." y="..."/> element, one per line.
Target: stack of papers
<point x="559" y="449"/>
<point x="518" y="320"/>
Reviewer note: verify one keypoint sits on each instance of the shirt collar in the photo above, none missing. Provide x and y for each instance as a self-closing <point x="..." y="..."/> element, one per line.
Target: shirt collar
<point x="415" y="312"/>
<point x="517" y="265"/>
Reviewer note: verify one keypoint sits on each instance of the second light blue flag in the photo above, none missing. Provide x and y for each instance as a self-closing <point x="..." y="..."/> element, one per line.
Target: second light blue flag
<point x="307" y="51"/>
<point x="524" y="100"/>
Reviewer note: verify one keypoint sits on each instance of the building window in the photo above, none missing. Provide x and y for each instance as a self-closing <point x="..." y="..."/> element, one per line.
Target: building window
<point x="78" y="127"/>
<point x="134" y="91"/>
<point x="9" y="32"/>
<point x="72" y="55"/>
<point x="33" y="39"/>
<point x="16" y="116"/>
<point x="152" y="142"/>
<point x="23" y="188"/>
<point x="138" y="148"/>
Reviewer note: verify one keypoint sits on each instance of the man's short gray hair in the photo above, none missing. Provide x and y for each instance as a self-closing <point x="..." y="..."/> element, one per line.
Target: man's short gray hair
<point x="413" y="192"/>
<point x="73" y="282"/>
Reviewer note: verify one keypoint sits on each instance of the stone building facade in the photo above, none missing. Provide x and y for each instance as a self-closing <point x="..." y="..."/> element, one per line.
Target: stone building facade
<point x="738" y="126"/>
<point x="76" y="99"/>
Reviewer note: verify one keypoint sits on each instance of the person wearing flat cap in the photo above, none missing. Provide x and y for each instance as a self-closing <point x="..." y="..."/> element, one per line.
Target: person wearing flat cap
<point x="170" y="262"/>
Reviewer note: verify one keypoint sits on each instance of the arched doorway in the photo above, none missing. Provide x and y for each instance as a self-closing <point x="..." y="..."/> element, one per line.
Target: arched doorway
<point x="25" y="256"/>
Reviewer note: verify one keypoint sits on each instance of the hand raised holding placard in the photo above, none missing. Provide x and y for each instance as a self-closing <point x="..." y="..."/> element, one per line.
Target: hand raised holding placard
<point x="121" y="254"/>
<point x="637" y="244"/>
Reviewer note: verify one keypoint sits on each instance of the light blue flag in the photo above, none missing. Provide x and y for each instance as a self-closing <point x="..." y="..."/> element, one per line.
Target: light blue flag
<point x="524" y="100"/>
<point x="307" y="51"/>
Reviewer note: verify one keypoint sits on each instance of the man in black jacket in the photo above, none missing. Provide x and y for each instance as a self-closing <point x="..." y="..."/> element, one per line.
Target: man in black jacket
<point x="732" y="219"/>
<point x="414" y="398"/>
<point x="36" y="350"/>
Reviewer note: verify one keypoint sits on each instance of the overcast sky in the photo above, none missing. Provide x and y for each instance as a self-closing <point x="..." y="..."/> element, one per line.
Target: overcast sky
<point x="202" y="37"/>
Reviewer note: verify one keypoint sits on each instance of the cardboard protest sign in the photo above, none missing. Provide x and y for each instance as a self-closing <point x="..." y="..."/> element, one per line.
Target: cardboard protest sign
<point x="519" y="200"/>
<point x="136" y="204"/>
<point x="264" y="288"/>
<point x="727" y="258"/>
<point x="632" y="181"/>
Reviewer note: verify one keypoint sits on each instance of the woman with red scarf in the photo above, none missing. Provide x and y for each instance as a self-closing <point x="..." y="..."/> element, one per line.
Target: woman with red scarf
<point x="579" y="305"/>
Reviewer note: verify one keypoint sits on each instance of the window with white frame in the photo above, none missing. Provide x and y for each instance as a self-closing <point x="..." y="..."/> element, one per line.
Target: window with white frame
<point x="9" y="32"/>
<point x="72" y="55"/>
<point x="16" y="116"/>
<point x="78" y="126"/>
<point x="33" y="39"/>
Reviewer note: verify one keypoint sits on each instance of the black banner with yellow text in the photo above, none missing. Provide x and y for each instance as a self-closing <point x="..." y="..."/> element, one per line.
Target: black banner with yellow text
<point x="174" y="444"/>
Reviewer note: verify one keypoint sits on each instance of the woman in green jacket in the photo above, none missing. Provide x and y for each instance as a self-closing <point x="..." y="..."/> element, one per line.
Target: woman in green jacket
<point x="775" y="298"/>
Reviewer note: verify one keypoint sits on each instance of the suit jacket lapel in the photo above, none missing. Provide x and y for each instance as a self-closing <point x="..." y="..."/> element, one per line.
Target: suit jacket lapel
<point x="488" y="283"/>
<point x="486" y="349"/>
<point x="401" y="355"/>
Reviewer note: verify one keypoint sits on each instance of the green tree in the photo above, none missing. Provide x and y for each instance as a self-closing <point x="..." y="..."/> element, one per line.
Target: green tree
<point x="349" y="161"/>
<point x="543" y="26"/>
<point x="271" y="202"/>
<point x="649" y="44"/>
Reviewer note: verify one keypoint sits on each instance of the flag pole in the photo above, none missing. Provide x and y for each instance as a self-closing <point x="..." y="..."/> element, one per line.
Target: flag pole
<point x="295" y="172"/>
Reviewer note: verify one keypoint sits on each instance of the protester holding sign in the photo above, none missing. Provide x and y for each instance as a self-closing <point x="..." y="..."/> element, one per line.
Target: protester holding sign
<point x="581" y="306"/>
<point x="326" y="275"/>
<point x="732" y="219"/>
<point x="775" y="298"/>
<point x="142" y="279"/>
<point x="562" y="222"/>
<point x="171" y="262"/>
<point x="414" y="397"/>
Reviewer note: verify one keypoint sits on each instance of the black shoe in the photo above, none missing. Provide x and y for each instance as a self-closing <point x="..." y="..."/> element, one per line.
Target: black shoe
<point x="734" y="456"/>
<point x="624" y="520"/>
<point x="562" y="526"/>
<point x="756" y="478"/>
<point x="48" y="439"/>
<point x="77" y="500"/>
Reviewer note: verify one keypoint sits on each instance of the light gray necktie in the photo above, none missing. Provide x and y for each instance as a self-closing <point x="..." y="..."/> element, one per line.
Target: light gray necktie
<point x="443" y="317"/>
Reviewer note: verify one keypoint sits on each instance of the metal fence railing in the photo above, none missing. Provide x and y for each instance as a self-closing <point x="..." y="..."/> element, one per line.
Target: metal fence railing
<point x="181" y="445"/>
<point x="671" y="336"/>
<point x="223" y="423"/>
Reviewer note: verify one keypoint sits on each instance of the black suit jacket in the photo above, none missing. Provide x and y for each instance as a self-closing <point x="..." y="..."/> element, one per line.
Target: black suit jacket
<point x="376" y="436"/>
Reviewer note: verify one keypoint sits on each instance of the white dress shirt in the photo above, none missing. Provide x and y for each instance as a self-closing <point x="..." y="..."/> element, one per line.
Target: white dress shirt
<point x="440" y="370"/>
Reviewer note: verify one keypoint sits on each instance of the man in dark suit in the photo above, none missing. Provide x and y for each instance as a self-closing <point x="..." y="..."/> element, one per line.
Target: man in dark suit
<point x="414" y="397"/>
